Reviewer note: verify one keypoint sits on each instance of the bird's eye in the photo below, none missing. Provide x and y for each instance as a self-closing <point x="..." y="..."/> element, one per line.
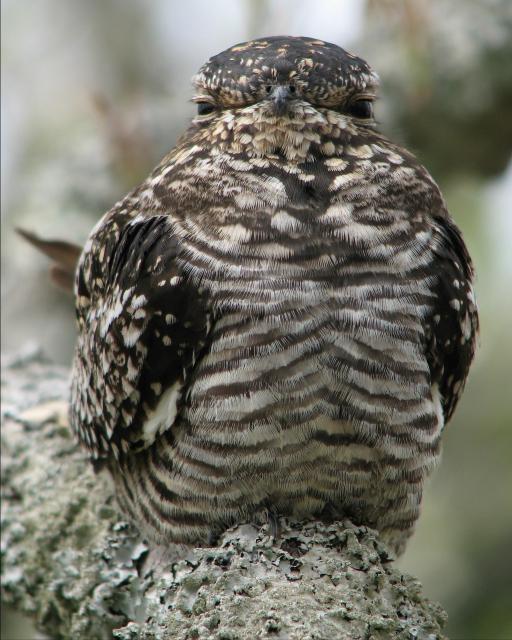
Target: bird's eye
<point x="361" y="109"/>
<point x="204" y="108"/>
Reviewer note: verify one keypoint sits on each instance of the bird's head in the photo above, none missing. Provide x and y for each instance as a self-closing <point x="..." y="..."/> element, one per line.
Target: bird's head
<point x="283" y="95"/>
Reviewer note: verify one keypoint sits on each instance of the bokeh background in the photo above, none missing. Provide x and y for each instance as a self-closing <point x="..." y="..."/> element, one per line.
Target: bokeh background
<point x="95" y="93"/>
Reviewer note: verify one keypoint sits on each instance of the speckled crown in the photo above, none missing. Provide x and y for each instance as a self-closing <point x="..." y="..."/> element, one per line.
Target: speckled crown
<point x="325" y="73"/>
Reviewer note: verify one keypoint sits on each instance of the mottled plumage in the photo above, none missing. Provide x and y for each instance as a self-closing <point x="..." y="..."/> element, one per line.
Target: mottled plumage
<point x="281" y="316"/>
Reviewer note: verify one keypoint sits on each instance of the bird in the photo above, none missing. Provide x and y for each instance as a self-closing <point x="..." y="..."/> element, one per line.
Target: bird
<point x="281" y="318"/>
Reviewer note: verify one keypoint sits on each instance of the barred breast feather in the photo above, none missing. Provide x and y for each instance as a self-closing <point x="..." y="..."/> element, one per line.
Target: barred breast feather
<point x="280" y="317"/>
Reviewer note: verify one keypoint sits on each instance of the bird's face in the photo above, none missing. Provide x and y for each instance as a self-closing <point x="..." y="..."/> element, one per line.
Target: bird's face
<point x="283" y="95"/>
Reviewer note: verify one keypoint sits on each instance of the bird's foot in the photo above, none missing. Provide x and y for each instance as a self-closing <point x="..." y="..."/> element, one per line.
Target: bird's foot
<point x="270" y="517"/>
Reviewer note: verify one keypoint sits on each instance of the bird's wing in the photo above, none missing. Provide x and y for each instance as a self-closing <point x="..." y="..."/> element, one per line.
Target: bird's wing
<point x="452" y="327"/>
<point x="142" y="326"/>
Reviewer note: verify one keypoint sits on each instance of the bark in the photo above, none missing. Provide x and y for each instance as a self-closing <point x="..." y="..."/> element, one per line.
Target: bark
<point x="80" y="570"/>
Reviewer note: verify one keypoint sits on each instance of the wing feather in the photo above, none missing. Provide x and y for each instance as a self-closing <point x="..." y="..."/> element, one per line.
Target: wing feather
<point x="142" y="327"/>
<point x="452" y="327"/>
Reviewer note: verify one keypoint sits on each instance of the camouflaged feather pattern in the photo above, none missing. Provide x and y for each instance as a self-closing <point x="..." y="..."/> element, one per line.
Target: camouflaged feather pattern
<point x="281" y="316"/>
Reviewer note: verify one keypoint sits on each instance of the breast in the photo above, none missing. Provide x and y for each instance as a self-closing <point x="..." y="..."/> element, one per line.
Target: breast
<point x="319" y="332"/>
<point x="287" y="366"/>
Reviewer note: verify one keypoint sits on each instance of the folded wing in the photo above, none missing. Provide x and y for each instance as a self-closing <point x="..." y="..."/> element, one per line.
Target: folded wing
<point x="142" y="327"/>
<point x="453" y="326"/>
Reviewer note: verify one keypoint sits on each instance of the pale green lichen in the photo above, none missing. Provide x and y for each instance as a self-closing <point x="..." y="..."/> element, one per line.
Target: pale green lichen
<point x="69" y="561"/>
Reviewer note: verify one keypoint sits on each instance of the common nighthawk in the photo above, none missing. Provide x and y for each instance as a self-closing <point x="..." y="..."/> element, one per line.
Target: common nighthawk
<point x="281" y="316"/>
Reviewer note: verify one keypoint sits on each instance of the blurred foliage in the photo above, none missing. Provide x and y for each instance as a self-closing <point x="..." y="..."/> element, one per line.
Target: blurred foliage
<point x="452" y="74"/>
<point x="95" y="96"/>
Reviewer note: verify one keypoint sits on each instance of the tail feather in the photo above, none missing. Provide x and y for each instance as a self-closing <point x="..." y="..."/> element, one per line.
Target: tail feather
<point x="64" y="254"/>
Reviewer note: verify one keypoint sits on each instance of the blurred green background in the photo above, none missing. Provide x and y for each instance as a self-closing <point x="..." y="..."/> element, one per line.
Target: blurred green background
<point x="95" y="93"/>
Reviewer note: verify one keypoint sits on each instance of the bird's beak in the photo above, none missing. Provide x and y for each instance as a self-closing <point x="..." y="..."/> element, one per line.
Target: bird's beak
<point x="280" y="97"/>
